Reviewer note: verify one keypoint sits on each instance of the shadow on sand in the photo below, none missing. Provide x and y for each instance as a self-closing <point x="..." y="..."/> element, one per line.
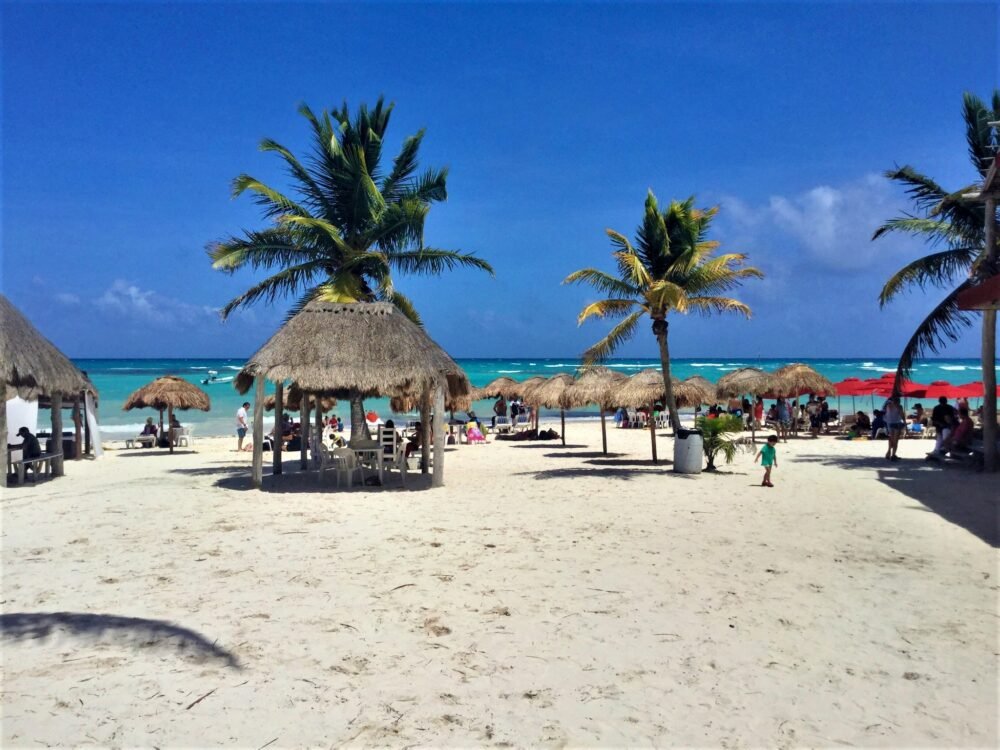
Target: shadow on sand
<point x="137" y="632"/>
<point x="293" y="480"/>
<point x="960" y="496"/>
<point x="147" y="452"/>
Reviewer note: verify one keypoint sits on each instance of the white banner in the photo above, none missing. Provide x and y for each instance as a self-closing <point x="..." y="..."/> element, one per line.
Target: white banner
<point x="20" y="413"/>
<point x="95" y="429"/>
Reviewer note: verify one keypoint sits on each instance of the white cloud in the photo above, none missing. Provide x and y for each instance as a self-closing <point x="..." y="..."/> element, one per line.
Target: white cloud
<point x="833" y="225"/>
<point x="128" y="300"/>
<point x="67" y="299"/>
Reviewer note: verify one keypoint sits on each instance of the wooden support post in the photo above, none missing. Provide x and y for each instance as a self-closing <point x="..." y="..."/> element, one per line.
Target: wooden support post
<point x="652" y="431"/>
<point x="304" y="438"/>
<point x="57" y="463"/>
<point x="279" y="412"/>
<point x="440" y="439"/>
<point x="78" y="434"/>
<point x="562" y="424"/>
<point x="604" y="434"/>
<point x="318" y="437"/>
<point x="170" y="428"/>
<point x="426" y="431"/>
<point x="86" y="433"/>
<point x="258" y="434"/>
<point x="3" y="436"/>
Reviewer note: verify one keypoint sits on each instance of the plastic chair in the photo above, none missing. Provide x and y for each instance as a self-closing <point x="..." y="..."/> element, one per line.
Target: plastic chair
<point x="343" y="462"/>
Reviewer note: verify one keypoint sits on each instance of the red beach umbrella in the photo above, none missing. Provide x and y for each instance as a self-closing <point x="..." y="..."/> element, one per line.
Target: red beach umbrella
<point x="940" y="388"/>
<point x="852" y="387"/>
<point x="974" y="390"/>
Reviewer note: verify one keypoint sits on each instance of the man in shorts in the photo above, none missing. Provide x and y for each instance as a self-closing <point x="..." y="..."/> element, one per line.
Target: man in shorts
<point x="241" y="424"/>
<point x="895" y="424"/>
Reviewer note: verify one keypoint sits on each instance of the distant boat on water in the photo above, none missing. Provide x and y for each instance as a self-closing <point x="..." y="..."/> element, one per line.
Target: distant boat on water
<point x="213" y="377"/>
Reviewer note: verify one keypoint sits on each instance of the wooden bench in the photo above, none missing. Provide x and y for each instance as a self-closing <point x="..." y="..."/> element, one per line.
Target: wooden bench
<point x="42" y="462"/>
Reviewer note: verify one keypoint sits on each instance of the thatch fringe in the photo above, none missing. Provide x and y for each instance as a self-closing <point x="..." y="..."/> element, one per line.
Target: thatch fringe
<point x="30" y="364"/>
<point x="548" y="393"/>
<point x="596" y="385"/>
<point x="796" y="379"/>
<point x="743" y="381"/>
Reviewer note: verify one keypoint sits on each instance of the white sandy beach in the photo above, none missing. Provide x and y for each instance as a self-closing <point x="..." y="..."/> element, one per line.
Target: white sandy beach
<point x="544" y="597"/>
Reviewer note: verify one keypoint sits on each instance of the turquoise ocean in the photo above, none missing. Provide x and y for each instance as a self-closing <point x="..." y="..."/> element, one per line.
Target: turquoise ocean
<point x="117" y="378"/>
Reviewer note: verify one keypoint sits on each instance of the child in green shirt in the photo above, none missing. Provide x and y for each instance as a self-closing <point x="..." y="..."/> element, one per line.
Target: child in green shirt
<point x="769" y="455"/>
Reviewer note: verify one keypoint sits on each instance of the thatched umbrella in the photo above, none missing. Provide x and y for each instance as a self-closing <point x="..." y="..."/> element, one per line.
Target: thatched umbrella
<point x="645" y="388"/>
<point x="549" y="394"/>
<point x="743" y="382"/>
<point x="596" y="385"/>
<point x="31" y="366"/>
<point x="168" y="392"/>
<point x="355" y="350"/>
<point x="502" y="386"/>
<point x="796" y="379"/>
<point x="699" y="390"/>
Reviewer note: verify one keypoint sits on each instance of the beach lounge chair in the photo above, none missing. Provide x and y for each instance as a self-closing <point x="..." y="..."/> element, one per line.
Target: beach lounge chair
<point x="503" y="425"/>
<point x="521" y="423"/>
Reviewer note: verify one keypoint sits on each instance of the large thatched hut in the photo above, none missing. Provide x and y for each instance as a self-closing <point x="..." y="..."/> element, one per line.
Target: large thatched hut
<point x="502" y="386"/>
<point x="353" y="351"/>
<point x="168" y="393"/>
<point x="32" y="367"/>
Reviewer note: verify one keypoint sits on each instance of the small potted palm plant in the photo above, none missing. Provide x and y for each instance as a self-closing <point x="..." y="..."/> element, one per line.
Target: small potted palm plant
<point x="720" y="435"/>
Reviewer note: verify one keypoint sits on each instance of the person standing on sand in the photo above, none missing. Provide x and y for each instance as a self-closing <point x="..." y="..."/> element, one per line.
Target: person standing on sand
<point x="768" y="455"/>
<point x="241" y="424"/>
<point x="895" y="424"/>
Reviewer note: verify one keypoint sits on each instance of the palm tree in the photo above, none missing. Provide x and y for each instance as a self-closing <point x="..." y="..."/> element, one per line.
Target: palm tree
<point x="347" y="223"/>
<point x="955" y="229"/>
<point x="670" y="268"/>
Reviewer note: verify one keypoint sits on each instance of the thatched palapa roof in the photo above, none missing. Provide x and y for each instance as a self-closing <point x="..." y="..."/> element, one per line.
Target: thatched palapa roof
<point x="549" y="393"/>
<point x="797" y="378"/>
<point x="525" y="387"/>
<point x="597" y="385"/>
<point x="701" y="388"/>
<point x="340" y="348"/>
<point x="168" y="392"/>
<point x="502" y="386"/>
<point x="743" y="381"/>
<point x="647" y="387"/>
<point x="293" y="400"/>
<point x="30" y="364"/>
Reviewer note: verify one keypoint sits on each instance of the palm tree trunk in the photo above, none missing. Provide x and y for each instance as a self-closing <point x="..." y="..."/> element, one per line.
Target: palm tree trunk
<point x="989" y="352"/>
<point x="604" y="434"/>
<point x="989" y="356"/>
<point x="359" y="425"/>
<point x="661" y="338"/>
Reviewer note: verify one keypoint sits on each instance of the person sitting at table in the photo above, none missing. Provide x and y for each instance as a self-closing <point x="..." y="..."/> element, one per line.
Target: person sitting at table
<point x="174" y="422"/>
<point x="416" y="441"/>
<point x="30" y="447"/>
<point x="863" y="423"/>
<point x="387" y="428"/>
<point x="148" y="431"/>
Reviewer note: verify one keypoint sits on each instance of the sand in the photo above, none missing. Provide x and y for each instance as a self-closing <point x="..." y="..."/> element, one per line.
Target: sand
<point x="547" y="596"/>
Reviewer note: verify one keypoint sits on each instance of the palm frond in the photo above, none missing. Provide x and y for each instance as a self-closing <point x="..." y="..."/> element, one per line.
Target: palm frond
<point x="287" y="281"/>
<point x="933" y="231"/>
<point x="323" y="230"/>
<point x="404" y="166"/>
<point x="273" y="202"/>
<point x="432" y="261"/>
<point x="404" y="305"/>
<point x="708" y="304"/>
<point x="265" y="249"/>
<point x="607" y="308"/>
<point x="632" y="269"/>
<point x="944" y="323"/>
<point x="937" y="269"/>
<point x="618" y="335"/>
<point x="603" y="283"/>
<point x="314" y="197"/>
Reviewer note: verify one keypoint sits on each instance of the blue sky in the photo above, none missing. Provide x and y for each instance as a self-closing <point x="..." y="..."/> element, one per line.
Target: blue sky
<point x="124" y="124"/>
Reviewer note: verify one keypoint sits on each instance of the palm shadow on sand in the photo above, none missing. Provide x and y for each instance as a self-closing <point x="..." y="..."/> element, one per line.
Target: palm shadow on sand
<point x="137" y="632"/>
<point x="960" y="496"/>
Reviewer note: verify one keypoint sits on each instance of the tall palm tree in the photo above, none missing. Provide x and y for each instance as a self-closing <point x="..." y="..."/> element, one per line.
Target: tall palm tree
<point x="347" y="223"/>
<point x="955" y="229"/>
<point x="670" y="268"/>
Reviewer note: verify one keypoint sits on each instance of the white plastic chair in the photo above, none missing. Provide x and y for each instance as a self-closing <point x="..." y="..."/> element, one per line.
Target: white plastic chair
<point x="521" y="422"/>
<point x="184" y="436"/>
<point x="342" y="462"/>
<point x="503" y="425"/>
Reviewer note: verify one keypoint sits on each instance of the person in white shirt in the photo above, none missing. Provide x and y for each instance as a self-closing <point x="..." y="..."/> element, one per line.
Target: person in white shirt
<point x="895" y="424"/>
<point x="241" y="424"/>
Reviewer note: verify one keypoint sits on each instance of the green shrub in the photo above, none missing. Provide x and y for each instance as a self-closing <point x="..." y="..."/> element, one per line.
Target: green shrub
<point x="720" y="435"/>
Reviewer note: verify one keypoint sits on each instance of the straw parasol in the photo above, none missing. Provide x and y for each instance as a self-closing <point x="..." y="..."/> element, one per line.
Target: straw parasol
<point x="746" y="380"/>
<point x="596" y="385"/>
<point x="354" y="350"/>
<point x="700" y="390"/>
<point x="645" y="388"/>
<point x="405" y="404"/>
<point x="502" y="386"/>
<point x="31" y="366"/>
<point x="168" y="392"/>
<point x="797" y="378"/>
<point x="549" y="394"/>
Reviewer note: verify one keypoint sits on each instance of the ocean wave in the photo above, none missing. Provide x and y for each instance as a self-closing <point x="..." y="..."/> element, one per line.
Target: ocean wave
<point x="508" y="372"/>
<point x="233" y="367"/>
<point x="706" y="364"/>
<point x="574" y="365"/>
<point x="199" y="368"/>
<point x="956" y="367"/>
<point x="623" y="366"/>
